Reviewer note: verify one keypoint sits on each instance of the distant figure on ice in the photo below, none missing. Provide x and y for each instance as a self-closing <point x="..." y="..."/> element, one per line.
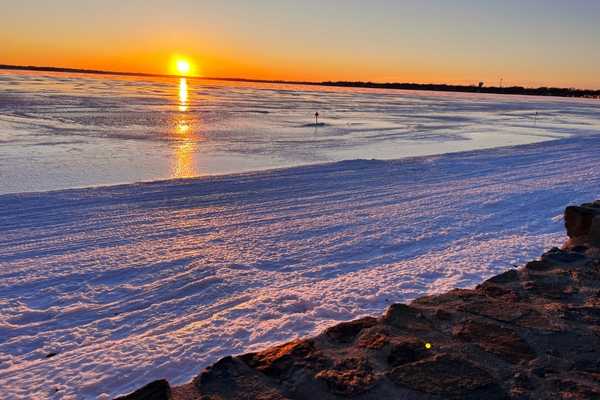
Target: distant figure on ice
<point x="317" y="118"/>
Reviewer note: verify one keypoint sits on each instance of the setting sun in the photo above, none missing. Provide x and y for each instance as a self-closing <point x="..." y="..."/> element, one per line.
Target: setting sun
<point x="183" y="67"/>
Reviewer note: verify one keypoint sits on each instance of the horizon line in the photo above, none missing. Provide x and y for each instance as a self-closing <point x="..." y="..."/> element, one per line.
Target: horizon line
<point x="575" y="92"/>
<point x="143" y="74"/>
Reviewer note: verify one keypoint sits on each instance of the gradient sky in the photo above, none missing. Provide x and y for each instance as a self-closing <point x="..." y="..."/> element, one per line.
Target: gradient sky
<point x="526" y="42"/>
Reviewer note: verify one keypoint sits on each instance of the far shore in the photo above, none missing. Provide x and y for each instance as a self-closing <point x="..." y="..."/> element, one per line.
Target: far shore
<point x="481" y="88"/>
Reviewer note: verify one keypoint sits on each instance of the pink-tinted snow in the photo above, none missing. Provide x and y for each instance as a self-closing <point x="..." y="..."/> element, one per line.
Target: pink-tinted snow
<point x="132" y="283"/>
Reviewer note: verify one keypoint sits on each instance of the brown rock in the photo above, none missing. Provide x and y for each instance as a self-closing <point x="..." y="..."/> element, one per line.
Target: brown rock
<point x="346" y="332"/>
<point x="496" y="309"/>
<point x="232" y="379"/>
<point x="407" y="351"/>
<point x="574" y="389"/>
<point x="406" y="317"/>
<point x="157" y="390"/>
<point x="558" y="257"/>
<point x="373" y="339"/>
<point x="578" y="219"/>
<point x="496" y="339"/>
<point x="348" y="377"/>
<point x="594" y="235"/>
<point x="281" y="361"/>
<point x="506" y="277"/>
<point x="448" y="376"/>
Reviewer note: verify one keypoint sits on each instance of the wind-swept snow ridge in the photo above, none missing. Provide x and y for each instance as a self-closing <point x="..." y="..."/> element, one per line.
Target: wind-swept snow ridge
<point x="128" y="284"/>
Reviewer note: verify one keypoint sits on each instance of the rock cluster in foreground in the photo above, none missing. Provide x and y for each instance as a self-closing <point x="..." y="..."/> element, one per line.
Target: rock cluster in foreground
<point x="528" y="333"/>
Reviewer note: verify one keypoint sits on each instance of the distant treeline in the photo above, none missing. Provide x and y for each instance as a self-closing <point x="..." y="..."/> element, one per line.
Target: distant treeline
<point x="75" y="70"/>
<point x="541" y="91"/>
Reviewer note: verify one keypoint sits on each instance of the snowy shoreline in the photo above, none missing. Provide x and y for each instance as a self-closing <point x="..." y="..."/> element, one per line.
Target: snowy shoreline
<point x="138" y="282"/>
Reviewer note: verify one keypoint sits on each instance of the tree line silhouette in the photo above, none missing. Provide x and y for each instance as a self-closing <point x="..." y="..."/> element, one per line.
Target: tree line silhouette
<point x="540" y="91"/>
<point x="479" y="88"/>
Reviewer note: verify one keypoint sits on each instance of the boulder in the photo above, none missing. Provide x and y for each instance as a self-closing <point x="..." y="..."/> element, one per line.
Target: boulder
<point x="157" y="390"/>
<point x="583" y="224"/>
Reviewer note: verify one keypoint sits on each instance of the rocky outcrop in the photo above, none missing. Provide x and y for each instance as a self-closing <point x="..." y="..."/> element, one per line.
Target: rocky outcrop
<point x="583" y="225"/>
<point x="157" y="390"/>
<point x="528" y="333"/>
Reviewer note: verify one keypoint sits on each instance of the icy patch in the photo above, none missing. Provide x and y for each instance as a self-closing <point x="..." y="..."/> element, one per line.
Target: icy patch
<point x="63" y="131"/>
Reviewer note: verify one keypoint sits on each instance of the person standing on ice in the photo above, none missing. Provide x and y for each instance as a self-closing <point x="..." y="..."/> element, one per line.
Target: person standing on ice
<point x="316" y="118"/>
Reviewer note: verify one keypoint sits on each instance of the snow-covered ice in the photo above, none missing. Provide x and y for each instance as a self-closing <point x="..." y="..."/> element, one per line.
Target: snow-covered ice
<point x="137" y="282"/>
<point x="60" y="131"/>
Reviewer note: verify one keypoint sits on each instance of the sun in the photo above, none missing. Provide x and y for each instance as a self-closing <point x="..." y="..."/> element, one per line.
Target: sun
<point x="183" y="66"/>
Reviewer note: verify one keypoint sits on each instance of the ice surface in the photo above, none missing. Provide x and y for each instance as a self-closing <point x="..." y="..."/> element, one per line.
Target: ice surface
<point x="137" y="282"/>
<point x="62" y="131"/>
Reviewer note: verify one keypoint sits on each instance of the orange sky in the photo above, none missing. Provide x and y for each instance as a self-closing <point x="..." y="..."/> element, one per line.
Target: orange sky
<point x="526" y="42"/>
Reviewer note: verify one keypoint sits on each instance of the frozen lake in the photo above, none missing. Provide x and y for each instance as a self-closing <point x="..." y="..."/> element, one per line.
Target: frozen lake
<point x="128" y="284"/>
<point x="62" y="131"/>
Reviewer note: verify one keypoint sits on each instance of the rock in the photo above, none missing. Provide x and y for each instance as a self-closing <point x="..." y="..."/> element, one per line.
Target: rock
<point x="578" y="219"/>
<point x="499" y="292"/>
<point x="157" y="390"/>
<point x="563" y="258"/>
<point x="537" y="266"/>
<point x="504" y="310"/>
<point x="406" y="351"/>
<point x="448" y="376"/>
<point x="583" y="226"/>
<point x="594" y="235"/>
<point x="496" y="339"/>
<point x="348" y="377"/>
<point x="346" y="332"/>
<point x="506" y="277"/>
<point x="373" y="339"/>
<point x="283" y="360"/>
<point x="231" y="378"/>
<point x="405" y="317"/>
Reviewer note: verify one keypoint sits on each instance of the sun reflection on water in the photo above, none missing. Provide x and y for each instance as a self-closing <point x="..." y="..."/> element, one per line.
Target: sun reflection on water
<point x="184" y="161"/>
<point x="183" y="95"/>
<point x="182" y="127"/>
<point x="184" y="154"/>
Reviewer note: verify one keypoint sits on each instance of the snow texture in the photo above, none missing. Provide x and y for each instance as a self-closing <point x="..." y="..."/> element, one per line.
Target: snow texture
<point x="132" y="283"/>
